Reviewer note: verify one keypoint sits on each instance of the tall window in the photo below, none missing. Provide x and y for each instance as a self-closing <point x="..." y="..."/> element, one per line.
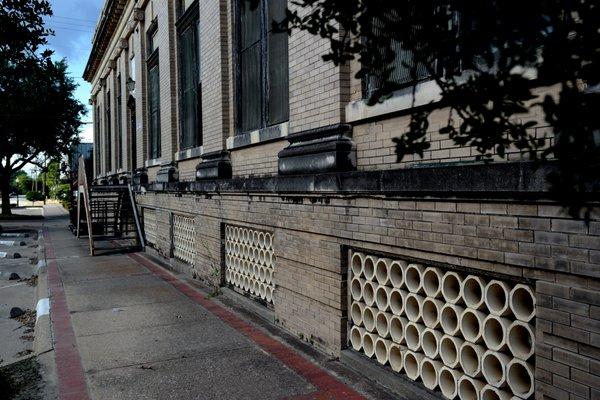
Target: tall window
<point x="119" y="124"/>
<point x="153" y="94"/>
<point x="97" y="140"/>
<point x="189" y="76"/>
<point x="107" y="131"/>
<point x="262" y="56"/>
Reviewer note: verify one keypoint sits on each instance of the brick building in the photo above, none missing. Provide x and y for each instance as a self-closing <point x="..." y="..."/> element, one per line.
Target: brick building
<point x="259" y="167"/>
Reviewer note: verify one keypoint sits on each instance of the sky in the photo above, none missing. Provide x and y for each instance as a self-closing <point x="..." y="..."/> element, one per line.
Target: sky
<point x="73" y="23"/>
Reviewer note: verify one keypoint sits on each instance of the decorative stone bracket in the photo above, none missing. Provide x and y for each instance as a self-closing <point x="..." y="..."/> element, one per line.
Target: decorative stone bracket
<point x="326" y="149"/>
<point x="168" y="173"/>
<point x="214" y="165"/>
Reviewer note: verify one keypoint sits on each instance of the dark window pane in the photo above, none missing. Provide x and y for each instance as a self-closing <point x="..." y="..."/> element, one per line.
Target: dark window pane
<point x="189" y="76"/>
<point x="250" y="23"/>
<point x="251" y="89"/>
<point x="278" y="78"/>
<point x="276" y="12"/>
<point x="154" y="108"/>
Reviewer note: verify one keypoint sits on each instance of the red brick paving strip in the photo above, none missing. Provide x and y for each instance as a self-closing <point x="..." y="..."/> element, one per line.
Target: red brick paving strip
<point x="329" y="387"/>
<point x="71" y="378"/>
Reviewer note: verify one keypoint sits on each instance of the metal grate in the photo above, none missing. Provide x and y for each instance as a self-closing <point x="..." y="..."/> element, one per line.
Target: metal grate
<point x="149" y="216"/>
<point x="250" y="261"/>
<point x="184" y="232"/>
<point x="454" y="331"/>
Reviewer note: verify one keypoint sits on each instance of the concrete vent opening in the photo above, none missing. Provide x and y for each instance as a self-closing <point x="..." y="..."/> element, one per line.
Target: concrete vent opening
<point x="450" y="318"/>
<point x="520" y="378"/>
<point x="432" y="282"/>
<point x="491" y="393"/>
<point x="521" y="340"/>
<point x="395" y="358"/>
<point x="469" y="389"/>
<point x="356" y="288"/>
<point x="382" y="324"/>
<point x="412" y="336"/>
<point x="472" y="292"/>
<point x="397" y="273"/>
<point x="413" y="307"/>
<point x="368" y="292"/>
<point x="522" y="302"/>
<point x="430" y="343"/>
<point x="357" y="264"/>
<point x="495" y="330"/>
<point x="451" y="284"/>
<point x="369" y="319"/>
<point x="396" y="302"/>
<point x="397" y="325"/>
<point x="471" y="324"/>
<point x="369" y="268"/>
<point x="356" y="313"/>
<point x="496" y="297"/>
<point x="470" y="359"/>
<point x="429" y="373"/>
<point x="413" y="278"/>
<point x="494" y="367"/>
<point x="412" y="362"/>
<point x="431" y="312"/>
<point x="382" y="273"/>
<point x="448" y="382"/>
<point x="382" y="297"/>
<point x="356" y="338"/>
<point x="381" y="350"/>
<point x="369" y="344"/>
<point x="450" y="349"/>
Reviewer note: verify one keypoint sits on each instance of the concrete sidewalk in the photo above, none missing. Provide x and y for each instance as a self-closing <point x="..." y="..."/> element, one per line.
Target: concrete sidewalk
<point x="125" y="328"/>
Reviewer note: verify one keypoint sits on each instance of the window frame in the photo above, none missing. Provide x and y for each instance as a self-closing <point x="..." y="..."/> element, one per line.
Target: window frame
<point x="108" y="131"/>
<point x="189" y="20"/>
<point x="119" y="115"/>
<point x="151" y="64"/>
<point x="264" y="69"/>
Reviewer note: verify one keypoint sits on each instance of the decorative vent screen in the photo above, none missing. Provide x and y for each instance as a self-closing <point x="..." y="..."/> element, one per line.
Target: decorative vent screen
<point x="461" y="334"/>
<point x="250" y="261"/>
<point x="149" y="215"/>
<point x="184" y="232"/>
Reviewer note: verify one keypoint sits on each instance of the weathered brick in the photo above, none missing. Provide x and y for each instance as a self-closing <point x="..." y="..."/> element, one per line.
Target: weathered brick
<point x="571" y="306"/>
<point x="571" y="359"/>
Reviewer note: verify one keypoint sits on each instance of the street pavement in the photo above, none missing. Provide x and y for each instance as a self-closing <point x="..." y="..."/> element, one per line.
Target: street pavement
<point x="125" y="328"/>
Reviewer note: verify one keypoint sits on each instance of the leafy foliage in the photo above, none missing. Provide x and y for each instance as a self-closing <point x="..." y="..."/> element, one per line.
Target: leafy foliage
<point x="487" y="57"/>
<point x="38" y="111"/>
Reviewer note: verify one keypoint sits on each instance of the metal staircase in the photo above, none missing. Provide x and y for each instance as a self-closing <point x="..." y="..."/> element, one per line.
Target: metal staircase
<point x="110" y="214"/>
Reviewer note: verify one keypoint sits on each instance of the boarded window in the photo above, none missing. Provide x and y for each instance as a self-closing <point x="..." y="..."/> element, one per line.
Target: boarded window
<point x="154" y="111"/>
<point x="189" y="85"/>
<point x="119" y="117"/>
<point x="108" y="134"/>
<point x="263" y="66"/>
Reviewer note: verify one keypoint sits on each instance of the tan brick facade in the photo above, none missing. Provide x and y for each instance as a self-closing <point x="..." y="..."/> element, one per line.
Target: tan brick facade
<point x="522" y="238"/>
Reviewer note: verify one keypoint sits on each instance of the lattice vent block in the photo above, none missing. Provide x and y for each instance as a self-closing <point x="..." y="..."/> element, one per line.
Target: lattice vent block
<point x="184" y="234"/>
<point x="250" y="261"/>
<point x="463" y="334"/>
<point x="149" y="215"/>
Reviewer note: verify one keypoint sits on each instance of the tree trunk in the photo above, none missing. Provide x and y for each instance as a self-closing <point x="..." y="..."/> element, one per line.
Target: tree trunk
<point x="5" y="188"/>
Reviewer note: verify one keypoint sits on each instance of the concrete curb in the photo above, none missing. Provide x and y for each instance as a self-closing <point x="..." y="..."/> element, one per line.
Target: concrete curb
<point x="42" y="342"/>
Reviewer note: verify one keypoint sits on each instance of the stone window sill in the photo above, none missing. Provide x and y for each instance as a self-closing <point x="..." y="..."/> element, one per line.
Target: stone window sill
<point x="194" y="152"/>
<point x="424" y="93"/>
<point x="268" y="134"/>
<point x="152" y="163"/>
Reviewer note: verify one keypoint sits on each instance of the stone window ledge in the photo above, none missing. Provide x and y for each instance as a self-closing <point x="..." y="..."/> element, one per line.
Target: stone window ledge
<point x="263" y="135"/>
<point x="424" y="93"/>
<point x="152" y="162"/>
<point x="187" y="154"/>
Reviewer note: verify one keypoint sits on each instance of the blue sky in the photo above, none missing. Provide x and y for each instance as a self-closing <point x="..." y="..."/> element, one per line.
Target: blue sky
<point x="73" y="23"/>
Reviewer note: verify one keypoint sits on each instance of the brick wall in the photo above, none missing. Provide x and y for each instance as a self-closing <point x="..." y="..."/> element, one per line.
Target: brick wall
<point x="525" y="240"/>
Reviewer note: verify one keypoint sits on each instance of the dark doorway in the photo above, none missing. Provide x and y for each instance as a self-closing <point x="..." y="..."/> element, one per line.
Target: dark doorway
<point x="132" y="132"/>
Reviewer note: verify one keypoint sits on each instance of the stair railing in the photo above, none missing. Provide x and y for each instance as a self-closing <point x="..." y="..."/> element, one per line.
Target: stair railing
<point x="136" y="217"/>
<point x="83" y="191"/>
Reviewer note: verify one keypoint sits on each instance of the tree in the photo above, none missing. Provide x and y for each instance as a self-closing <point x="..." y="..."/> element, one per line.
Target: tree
<point x="38" y="111"/>
<point x="487" y="57"/>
